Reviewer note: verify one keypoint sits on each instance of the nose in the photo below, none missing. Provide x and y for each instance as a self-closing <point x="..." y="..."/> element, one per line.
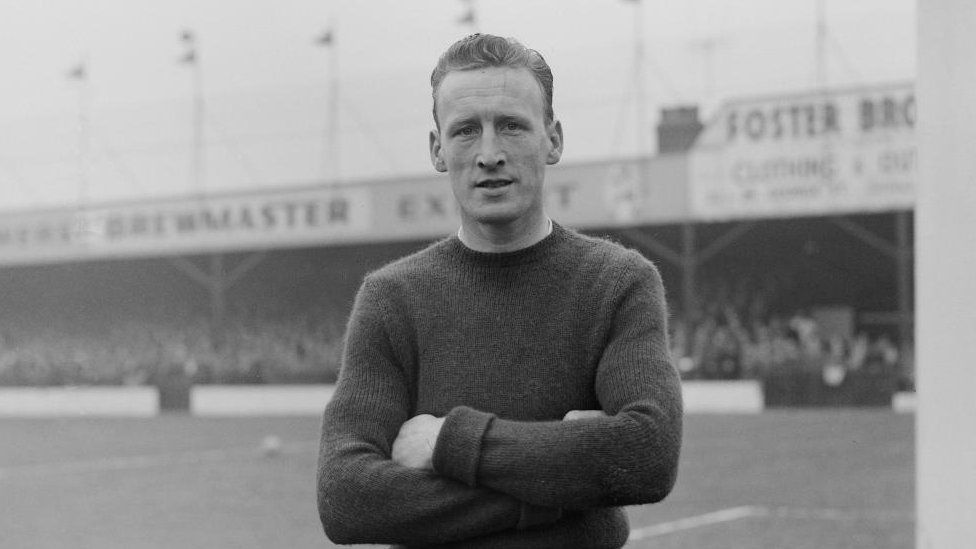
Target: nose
<point x="490" y="156"/>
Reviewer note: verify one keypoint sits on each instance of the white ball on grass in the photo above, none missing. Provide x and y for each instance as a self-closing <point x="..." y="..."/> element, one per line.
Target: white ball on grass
<point x="271" y="446"/>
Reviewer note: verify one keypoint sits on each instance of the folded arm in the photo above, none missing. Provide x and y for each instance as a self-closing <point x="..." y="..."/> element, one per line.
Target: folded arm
<point x="366" y="497"/>
<point x="630" y="456"/>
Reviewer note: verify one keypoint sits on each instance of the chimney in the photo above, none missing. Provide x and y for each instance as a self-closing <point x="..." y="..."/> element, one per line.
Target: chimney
<point x="678" y="128"/>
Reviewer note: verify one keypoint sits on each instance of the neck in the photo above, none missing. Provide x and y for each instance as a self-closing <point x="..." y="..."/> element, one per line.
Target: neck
<point x="483" y="237"/>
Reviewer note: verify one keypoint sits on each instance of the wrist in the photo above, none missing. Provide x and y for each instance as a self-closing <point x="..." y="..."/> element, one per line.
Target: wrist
<point x="457" y="451"/>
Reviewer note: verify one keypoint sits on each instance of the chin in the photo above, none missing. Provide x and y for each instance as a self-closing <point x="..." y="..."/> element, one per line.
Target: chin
<point x="496" y="220"/>
<point x="495" y="216"/>
<point x="501" y="212"/>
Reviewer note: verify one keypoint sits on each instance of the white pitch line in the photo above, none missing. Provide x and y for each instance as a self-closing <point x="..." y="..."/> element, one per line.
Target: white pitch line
<point x="716" y="517"/>
<point x="750" y="511"/>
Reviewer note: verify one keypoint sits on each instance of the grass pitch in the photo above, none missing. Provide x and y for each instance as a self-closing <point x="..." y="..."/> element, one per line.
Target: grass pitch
<point x="782" y="479"/>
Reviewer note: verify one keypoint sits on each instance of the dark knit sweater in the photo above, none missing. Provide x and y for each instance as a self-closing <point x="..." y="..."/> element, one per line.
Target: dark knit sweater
<point x="503" y="345"/>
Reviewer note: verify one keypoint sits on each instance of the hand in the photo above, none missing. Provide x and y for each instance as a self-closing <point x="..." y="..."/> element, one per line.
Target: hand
<point x="414" y="444"/>
<point x="583" y="414"/>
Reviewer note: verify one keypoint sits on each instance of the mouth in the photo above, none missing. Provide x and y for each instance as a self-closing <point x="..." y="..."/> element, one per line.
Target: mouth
<point x="493" y="183"/>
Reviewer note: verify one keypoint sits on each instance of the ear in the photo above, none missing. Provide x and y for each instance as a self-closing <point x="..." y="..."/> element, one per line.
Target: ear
<point x="555" y="132"/>
<point x="435" y="152"/>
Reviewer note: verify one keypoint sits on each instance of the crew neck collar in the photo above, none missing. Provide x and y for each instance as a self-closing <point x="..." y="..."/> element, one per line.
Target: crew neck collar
<point x="528" y="254"/>
<point x="548" y="232"/>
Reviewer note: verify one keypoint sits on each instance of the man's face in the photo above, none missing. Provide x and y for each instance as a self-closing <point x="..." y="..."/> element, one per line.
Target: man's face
<point x="494" y="143"/>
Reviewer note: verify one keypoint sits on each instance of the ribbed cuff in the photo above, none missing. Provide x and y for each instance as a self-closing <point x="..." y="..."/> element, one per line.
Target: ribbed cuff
<point x="458" y="448"/>
<point x="535" y="515"/>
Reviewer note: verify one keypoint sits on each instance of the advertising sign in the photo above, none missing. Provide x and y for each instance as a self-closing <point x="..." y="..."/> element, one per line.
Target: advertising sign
<point x="598" y="194"/>
<point x="818" y="153"/>
<point x="190" y="225"/>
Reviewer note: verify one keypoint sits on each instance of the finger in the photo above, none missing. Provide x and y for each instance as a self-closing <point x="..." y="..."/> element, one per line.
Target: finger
<point x="583" y="414"/>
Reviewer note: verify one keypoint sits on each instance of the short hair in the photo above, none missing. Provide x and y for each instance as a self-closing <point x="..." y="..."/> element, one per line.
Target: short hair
<point x="478" y="51"/>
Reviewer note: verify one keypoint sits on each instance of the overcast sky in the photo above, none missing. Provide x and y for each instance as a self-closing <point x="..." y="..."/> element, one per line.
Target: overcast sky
<point x="265" y="81"/>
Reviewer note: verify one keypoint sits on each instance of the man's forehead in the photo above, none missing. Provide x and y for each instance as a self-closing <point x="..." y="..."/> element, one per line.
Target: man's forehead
<point x="516" y="83"/>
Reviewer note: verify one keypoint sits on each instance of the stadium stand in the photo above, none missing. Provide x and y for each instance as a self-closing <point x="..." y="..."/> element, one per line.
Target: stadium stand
<point x="254" y="287"/>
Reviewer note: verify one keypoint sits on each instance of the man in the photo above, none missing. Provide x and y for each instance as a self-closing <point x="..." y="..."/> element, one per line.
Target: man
<point x="509" y="386"/>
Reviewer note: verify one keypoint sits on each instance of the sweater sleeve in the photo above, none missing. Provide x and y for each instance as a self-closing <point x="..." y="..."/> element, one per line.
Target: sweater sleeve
<point x="629" y="457"/>
<point x="363" y="496"/>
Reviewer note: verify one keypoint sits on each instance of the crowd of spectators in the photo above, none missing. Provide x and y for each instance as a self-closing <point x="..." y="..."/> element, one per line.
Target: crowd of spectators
<point x="136" y="352"/>
<point x="725" y="347"/>
<point x="735" y="333"/>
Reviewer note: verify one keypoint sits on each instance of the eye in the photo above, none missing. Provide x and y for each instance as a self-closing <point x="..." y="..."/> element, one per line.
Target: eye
<point x="466" y="131"/>
<point x="512" y="126"/>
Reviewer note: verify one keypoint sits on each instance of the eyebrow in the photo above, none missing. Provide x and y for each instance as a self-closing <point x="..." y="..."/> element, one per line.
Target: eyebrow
<point x="460" y="122"/>
<point x="524" y="120"/>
